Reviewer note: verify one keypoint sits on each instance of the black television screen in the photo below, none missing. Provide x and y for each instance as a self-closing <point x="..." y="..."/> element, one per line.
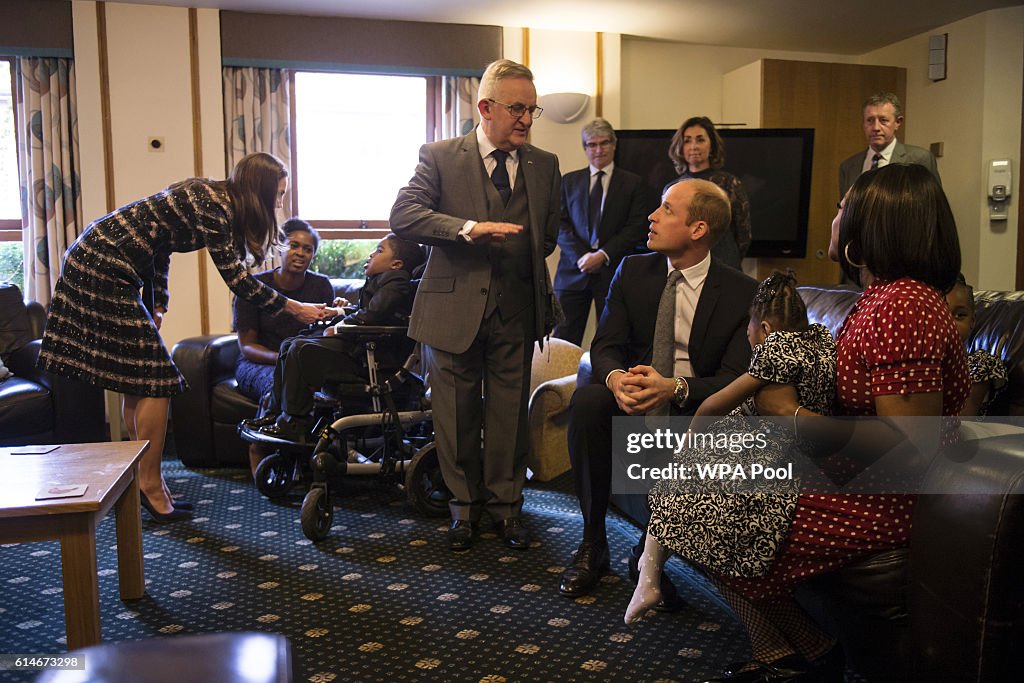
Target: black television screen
<point x="774" y="165"/>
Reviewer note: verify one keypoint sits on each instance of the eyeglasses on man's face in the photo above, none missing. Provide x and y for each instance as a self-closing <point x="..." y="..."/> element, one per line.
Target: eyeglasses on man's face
<point x="603" y="144"/>
<point x="518" y="109"/>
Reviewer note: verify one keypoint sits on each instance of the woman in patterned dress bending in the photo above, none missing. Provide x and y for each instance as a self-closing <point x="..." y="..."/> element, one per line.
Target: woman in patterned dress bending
<point x="108" y="305"/>
<point x="898" y="355"/>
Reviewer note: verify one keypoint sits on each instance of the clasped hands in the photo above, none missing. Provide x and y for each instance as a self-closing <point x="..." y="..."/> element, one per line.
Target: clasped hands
<point x="308" y="314"/>
<point x="641" y="389"/>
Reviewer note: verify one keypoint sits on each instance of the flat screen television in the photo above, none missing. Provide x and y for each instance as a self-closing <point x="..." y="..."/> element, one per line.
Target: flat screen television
<point x="774" y="165"/>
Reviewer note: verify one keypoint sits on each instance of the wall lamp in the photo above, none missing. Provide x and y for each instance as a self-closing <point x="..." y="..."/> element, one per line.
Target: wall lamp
<point x="564" y="107"/>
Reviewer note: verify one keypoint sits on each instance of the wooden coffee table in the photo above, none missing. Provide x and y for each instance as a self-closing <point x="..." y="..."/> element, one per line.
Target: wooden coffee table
<point x="110" y="471"/>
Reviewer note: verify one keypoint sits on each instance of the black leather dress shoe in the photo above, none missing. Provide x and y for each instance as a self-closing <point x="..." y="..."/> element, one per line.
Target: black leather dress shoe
<point x="461" y="534"/>
<point x="514" y="533"/>
<point x="256" y="423"/>
<point x="584" y="573"/>
<point x="670" y="600"/>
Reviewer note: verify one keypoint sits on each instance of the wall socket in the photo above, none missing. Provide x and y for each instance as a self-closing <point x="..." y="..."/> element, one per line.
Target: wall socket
<point x="155" y="144"/>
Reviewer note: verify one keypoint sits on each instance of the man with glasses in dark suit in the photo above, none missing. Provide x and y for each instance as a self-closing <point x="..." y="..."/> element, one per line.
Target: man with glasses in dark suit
<point x="603" y="220"/>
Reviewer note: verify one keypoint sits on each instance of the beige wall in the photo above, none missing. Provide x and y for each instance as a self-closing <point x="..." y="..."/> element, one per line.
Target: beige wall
<point x="665" y="83"/>
<point x="647" y="84"/>
<point x="976" y="114"/>
<point x="151" y="96"/>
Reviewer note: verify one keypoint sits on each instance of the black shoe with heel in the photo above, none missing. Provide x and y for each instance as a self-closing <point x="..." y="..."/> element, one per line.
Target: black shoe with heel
<point x="175" y="515"/>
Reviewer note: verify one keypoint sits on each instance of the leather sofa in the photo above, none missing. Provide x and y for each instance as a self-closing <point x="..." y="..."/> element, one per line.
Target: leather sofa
<point x="37" y="406"/>
<point x="951" y="605"/>
<point x="206" y="417"/>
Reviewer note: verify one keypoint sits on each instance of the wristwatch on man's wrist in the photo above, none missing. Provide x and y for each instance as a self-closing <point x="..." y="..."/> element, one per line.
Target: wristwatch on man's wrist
<point x="681" y="391"/>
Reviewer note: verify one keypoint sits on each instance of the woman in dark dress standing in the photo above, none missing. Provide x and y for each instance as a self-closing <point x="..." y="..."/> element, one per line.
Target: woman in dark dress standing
<point x="697" y="151"/>
<point x="108" y="305"/>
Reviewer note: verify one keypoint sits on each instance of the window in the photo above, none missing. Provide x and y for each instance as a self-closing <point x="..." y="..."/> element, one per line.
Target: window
<point x="10" y="202"/>
<point x="356" y="142"/>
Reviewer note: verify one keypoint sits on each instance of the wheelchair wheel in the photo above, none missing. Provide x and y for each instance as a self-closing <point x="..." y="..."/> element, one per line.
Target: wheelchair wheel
<point x="424" y="484"/>
<point x="317" y="514"/>
<point x="274" y="474"/>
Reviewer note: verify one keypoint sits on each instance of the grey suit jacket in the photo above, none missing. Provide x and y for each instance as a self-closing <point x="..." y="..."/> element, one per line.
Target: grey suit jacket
<point x="850" y="169"/>
<point x="449" y="187"/>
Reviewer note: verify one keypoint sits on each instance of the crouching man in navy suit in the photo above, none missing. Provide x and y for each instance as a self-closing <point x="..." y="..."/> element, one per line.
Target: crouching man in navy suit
<point x="704" y="348"/>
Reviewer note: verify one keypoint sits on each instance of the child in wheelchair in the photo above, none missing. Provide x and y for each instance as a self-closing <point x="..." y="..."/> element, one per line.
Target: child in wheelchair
<point x="306" y="363"/>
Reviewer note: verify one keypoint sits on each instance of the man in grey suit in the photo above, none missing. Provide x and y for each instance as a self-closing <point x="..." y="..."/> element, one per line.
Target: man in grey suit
<point x="883" y="116"/>
<point x="488" y="205"/>
<point x="603" y="219"/>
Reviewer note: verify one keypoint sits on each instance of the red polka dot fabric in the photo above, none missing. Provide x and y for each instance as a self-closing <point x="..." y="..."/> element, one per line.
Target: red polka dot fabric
<point x="898" y="339"/>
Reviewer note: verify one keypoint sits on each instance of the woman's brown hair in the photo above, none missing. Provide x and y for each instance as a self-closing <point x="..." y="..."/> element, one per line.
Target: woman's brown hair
<point x="252" y="189"/>
<point x="675" y="149"/>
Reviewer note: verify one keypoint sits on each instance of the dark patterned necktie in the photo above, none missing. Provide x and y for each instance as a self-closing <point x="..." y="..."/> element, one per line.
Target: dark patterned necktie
<point x="875" y="159"/>
<point x="499" y="176"/>
<point x="663" y="356"/>
<point x="594" y="212"/>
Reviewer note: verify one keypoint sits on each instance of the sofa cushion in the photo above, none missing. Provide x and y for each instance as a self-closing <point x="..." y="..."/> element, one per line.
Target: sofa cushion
<point x="228" y="405"/>
<point x="15" y="330"/>
<point x="25" y="408"/>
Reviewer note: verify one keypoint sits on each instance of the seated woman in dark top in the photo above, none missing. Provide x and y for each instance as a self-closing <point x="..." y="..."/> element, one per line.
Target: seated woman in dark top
<point x="260" y="334"/>
<point x="307" y="362"/>
<point x="697" y="151"/>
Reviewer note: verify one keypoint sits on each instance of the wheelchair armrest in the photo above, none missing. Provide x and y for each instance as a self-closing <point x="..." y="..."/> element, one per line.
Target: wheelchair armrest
<point x="371" y="330"/>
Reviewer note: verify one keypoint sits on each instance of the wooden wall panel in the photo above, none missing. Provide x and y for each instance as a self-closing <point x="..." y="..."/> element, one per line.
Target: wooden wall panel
<point x="828" y="98"/>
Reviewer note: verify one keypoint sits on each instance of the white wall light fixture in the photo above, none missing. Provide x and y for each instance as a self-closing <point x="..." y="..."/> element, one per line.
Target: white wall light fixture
<point x="564" y="107"/>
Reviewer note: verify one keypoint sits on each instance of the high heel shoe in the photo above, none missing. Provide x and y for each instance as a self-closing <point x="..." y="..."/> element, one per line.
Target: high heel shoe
<point x="175" y="515"/>
<point x="182" y="505"/>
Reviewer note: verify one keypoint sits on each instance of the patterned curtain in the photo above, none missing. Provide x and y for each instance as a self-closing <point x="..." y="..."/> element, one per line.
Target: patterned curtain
<point x="458" y="105"/>
<point x="48" y="168"/>
<point x="257" y="118"/>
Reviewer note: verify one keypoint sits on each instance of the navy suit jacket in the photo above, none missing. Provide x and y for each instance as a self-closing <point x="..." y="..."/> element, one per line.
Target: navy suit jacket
<point x="623" y="223"/>
<point x="719" y="350"/>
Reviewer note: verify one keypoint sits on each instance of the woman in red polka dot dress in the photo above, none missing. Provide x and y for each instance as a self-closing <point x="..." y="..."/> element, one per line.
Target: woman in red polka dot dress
<point x="899" y="354"/>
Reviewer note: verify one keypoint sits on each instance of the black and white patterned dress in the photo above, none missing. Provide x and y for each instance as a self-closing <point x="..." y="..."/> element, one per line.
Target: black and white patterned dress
<point x="98" y="329"/>
<point x="983" y="367"/>
<point x="727" y="526"/>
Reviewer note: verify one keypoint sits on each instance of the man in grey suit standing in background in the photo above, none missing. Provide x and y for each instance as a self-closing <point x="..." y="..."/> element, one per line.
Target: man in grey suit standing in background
<point x="488" y="205"/>
<point x="883" y="116"/>
<point x="604" y="218"/>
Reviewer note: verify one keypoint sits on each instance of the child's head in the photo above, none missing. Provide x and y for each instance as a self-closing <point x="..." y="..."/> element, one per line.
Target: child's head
<point x="960" y="301"/>
<point x="776" y="306"/>
<point x="394" y="253"/>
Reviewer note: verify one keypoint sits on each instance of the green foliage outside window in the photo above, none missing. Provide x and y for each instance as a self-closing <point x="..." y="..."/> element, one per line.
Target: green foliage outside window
<point x="343" y="258"/>
<point x="11" y="262"/>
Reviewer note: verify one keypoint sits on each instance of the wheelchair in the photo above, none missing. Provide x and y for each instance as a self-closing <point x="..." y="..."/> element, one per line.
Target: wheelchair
<point x="381" y="427"/>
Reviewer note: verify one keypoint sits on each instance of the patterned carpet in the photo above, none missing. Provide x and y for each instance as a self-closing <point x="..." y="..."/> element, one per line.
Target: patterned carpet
<point x="382" y="598"/>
